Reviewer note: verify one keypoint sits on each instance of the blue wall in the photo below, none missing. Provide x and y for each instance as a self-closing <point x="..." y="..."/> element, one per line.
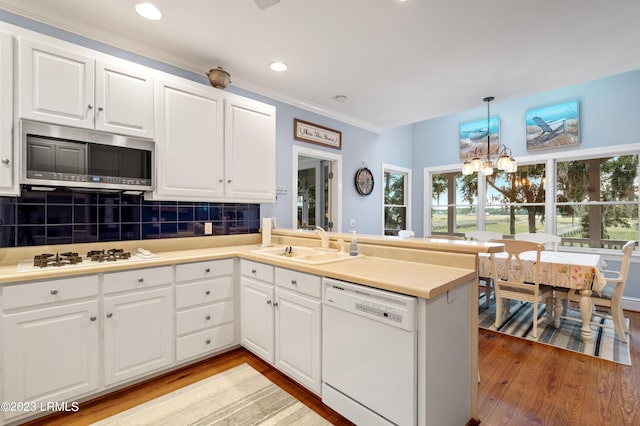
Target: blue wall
<point x="608" y="108"/>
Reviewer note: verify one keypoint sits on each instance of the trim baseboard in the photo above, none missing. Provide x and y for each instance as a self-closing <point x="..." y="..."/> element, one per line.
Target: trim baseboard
<point x="631" y="304"/>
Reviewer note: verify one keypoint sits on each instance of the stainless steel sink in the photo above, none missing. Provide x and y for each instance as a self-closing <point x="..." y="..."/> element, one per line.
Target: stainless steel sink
<point x="308" y="255"/>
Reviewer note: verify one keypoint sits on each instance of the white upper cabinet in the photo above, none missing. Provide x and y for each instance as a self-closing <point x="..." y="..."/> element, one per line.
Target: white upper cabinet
<point x="8" y="173"/>
<point x="189" y="145"/>
<point x="64" y="87"/>
<point x="250" y="149"/>
<point x="212" y="146"/>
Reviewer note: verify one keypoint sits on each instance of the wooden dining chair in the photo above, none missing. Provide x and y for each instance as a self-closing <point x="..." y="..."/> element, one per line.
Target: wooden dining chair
<point x="611" y="296"/>
<point x="549" y="241"/>
<point x="512" y="281"/>
<point x="484" y="283"/>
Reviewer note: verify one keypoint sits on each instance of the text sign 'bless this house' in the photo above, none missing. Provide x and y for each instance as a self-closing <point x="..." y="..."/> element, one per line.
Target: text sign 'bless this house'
<point x="308" y="132"/>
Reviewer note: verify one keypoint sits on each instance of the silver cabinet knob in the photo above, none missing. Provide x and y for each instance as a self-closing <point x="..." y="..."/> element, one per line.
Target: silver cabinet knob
<point x="54" y="291"/>
<point x="207" y="270"/>
<point x="208" y="317"/>
<point x="253" y="271"/>
<point x="109" y="315"/>
<point x="89" y="106"/>
<point x="208" y="292"/>
<point x="221" y="180"/>
<point x="93" y="318"/>
<point x="208" y="341"/>
<point x="5" y="161"/>
<point x="275" y="304"/>
<point x="100" y="109"/>
<point x="268" y="302"/>
<point x="140" y="280"/>
<point x="228" y="180"/>
<point x="294" y="282"/>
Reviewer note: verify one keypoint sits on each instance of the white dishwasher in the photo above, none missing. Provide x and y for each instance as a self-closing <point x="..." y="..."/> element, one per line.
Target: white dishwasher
<point x="369" y="359"/>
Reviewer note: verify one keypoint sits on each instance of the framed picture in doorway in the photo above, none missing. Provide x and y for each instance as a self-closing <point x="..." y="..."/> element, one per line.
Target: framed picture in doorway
<point x="314" y="133"/>
<point x="553" y="126"/>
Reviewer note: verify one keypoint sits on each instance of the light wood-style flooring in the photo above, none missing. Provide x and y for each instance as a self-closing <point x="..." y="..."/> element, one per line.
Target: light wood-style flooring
<point x="523" y="383"/>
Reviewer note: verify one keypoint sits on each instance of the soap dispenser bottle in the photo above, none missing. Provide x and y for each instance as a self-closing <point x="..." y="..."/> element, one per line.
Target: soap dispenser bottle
<point x="353" y="248"/>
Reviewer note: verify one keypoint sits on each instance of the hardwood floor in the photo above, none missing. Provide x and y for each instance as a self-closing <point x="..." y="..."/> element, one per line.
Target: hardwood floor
<point x="523" y="383"/>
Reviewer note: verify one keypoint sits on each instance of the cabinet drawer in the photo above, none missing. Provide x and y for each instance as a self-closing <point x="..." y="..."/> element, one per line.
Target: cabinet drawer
<point x="257" y="270"/>
<point x="41" y="292"/>
<point x="200" y="270"/>
<point x="137" y="279"/>
<point x="310" y="285"/>
<point x="204" y="292"/>
<point x="204" y="341"/>
<point x="197" y="319"/>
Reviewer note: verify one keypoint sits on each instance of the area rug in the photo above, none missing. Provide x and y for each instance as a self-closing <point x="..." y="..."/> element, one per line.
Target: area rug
<point x="239" y="396"/>
<point x="605" y="343"/>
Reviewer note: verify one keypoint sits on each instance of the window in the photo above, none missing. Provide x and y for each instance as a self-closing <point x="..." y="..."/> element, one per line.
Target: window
<point x="396" y="205"/>
<point x="591" y="201"/>
<point x="454" y="208"/>
<point x="597" y="201"/>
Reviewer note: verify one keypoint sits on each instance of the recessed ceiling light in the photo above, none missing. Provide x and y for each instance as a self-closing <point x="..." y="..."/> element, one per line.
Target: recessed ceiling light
<point x="149" y="11"/>
<point x="340" y="98"/>
<point x="278" y="66"/>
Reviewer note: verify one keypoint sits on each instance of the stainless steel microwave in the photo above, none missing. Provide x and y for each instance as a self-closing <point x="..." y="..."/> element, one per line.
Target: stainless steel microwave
<point x="61" y="156"/>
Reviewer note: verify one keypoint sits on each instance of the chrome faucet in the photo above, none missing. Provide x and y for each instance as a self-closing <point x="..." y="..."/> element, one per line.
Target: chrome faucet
<point x="323" y="236"/>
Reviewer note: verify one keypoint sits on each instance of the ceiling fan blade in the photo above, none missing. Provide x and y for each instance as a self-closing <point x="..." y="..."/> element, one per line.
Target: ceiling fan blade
<point x="263" y="4"/>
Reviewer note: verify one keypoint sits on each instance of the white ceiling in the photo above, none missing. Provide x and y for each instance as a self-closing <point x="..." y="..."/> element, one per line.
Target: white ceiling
<point x="397" y="62"/>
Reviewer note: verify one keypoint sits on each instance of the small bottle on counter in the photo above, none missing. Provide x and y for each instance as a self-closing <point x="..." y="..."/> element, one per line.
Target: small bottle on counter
<point x="353" y="248"/>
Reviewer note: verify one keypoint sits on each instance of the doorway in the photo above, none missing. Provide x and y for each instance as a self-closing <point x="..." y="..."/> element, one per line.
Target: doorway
<point x="316" y="177"/>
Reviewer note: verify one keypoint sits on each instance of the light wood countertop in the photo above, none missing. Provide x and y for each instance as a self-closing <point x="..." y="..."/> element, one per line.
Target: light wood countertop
<point x="415" y="267"/>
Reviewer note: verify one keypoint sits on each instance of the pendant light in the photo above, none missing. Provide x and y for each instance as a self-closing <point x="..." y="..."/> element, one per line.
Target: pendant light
<point x="505" y="161"/>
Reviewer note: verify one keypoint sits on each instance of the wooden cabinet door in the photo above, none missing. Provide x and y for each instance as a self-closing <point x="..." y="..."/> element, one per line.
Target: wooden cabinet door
<point x="250" y="150"/>
<point x="55" y="85"/>
<point x="124" y="100"/>
<point x="138" y="333"/>
<point x="51" y="354"/>
<point x="256" y="323"/>
<point x="189" y="150"/>
<point x="8" y="171"/>
<point x="298" y="338"/>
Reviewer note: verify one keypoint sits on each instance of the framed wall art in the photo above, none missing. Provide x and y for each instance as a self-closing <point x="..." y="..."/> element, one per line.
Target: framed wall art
<point x="319" y="135"/>
<point x="553" y="126"/>
<point x="473" y="137"/>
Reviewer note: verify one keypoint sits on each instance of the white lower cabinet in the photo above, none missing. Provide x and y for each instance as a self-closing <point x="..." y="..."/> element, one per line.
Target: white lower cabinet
<point x="50" y="340"/>
<point x="138" y="322"/>
<point x="281" y="320"/>
<point x="204" y="308"/>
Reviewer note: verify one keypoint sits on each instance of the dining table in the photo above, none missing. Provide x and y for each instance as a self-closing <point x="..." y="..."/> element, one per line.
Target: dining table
<point x="579" y="272"/>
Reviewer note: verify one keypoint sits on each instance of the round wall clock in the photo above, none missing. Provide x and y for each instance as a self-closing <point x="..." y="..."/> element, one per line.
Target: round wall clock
<point x="364" y="181"/>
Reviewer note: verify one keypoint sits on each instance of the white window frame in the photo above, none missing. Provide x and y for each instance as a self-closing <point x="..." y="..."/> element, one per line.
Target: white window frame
<point x="550" y="202"/>
<point x="407" y="191"/>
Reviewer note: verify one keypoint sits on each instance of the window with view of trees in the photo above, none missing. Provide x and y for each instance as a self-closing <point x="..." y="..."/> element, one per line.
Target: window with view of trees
<point x="595" y="201"/>
<point x="396" y="200"/>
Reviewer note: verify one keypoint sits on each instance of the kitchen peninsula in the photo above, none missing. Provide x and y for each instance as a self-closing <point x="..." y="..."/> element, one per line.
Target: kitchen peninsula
<point x="440" y="274"/>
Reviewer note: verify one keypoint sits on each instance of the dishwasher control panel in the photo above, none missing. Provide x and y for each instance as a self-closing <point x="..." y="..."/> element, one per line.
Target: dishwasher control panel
<point x="394" y="309"/>
<point x="381" y="311"/>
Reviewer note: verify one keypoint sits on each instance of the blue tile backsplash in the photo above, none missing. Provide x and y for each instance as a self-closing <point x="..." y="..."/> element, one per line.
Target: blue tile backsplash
<point x="61" y="217"/>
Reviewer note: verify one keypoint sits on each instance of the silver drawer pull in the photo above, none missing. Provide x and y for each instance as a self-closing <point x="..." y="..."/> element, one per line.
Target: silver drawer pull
<point x="253" y="271"/>
<point x="5" y="161"/>
<point x="208" y="317"/>
<point x="140" y="280"/>
<point x="208" y="341"/>
<point x="275" y="304"/>
<point x="268" y="302"/>
<point x="207" y="292"/>
<point x="93" y="318"/>
<point x="54" y="291"/>
<point x="207" y="270"/>
<point x="294" y="282"/>
<point x="109" y="315"/>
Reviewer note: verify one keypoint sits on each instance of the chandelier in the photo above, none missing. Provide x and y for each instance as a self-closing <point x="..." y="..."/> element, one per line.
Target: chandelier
<point x="505" y="160"/>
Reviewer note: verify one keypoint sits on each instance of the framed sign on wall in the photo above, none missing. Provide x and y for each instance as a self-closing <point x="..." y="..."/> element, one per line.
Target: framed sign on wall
<point x="308" y="132"/>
